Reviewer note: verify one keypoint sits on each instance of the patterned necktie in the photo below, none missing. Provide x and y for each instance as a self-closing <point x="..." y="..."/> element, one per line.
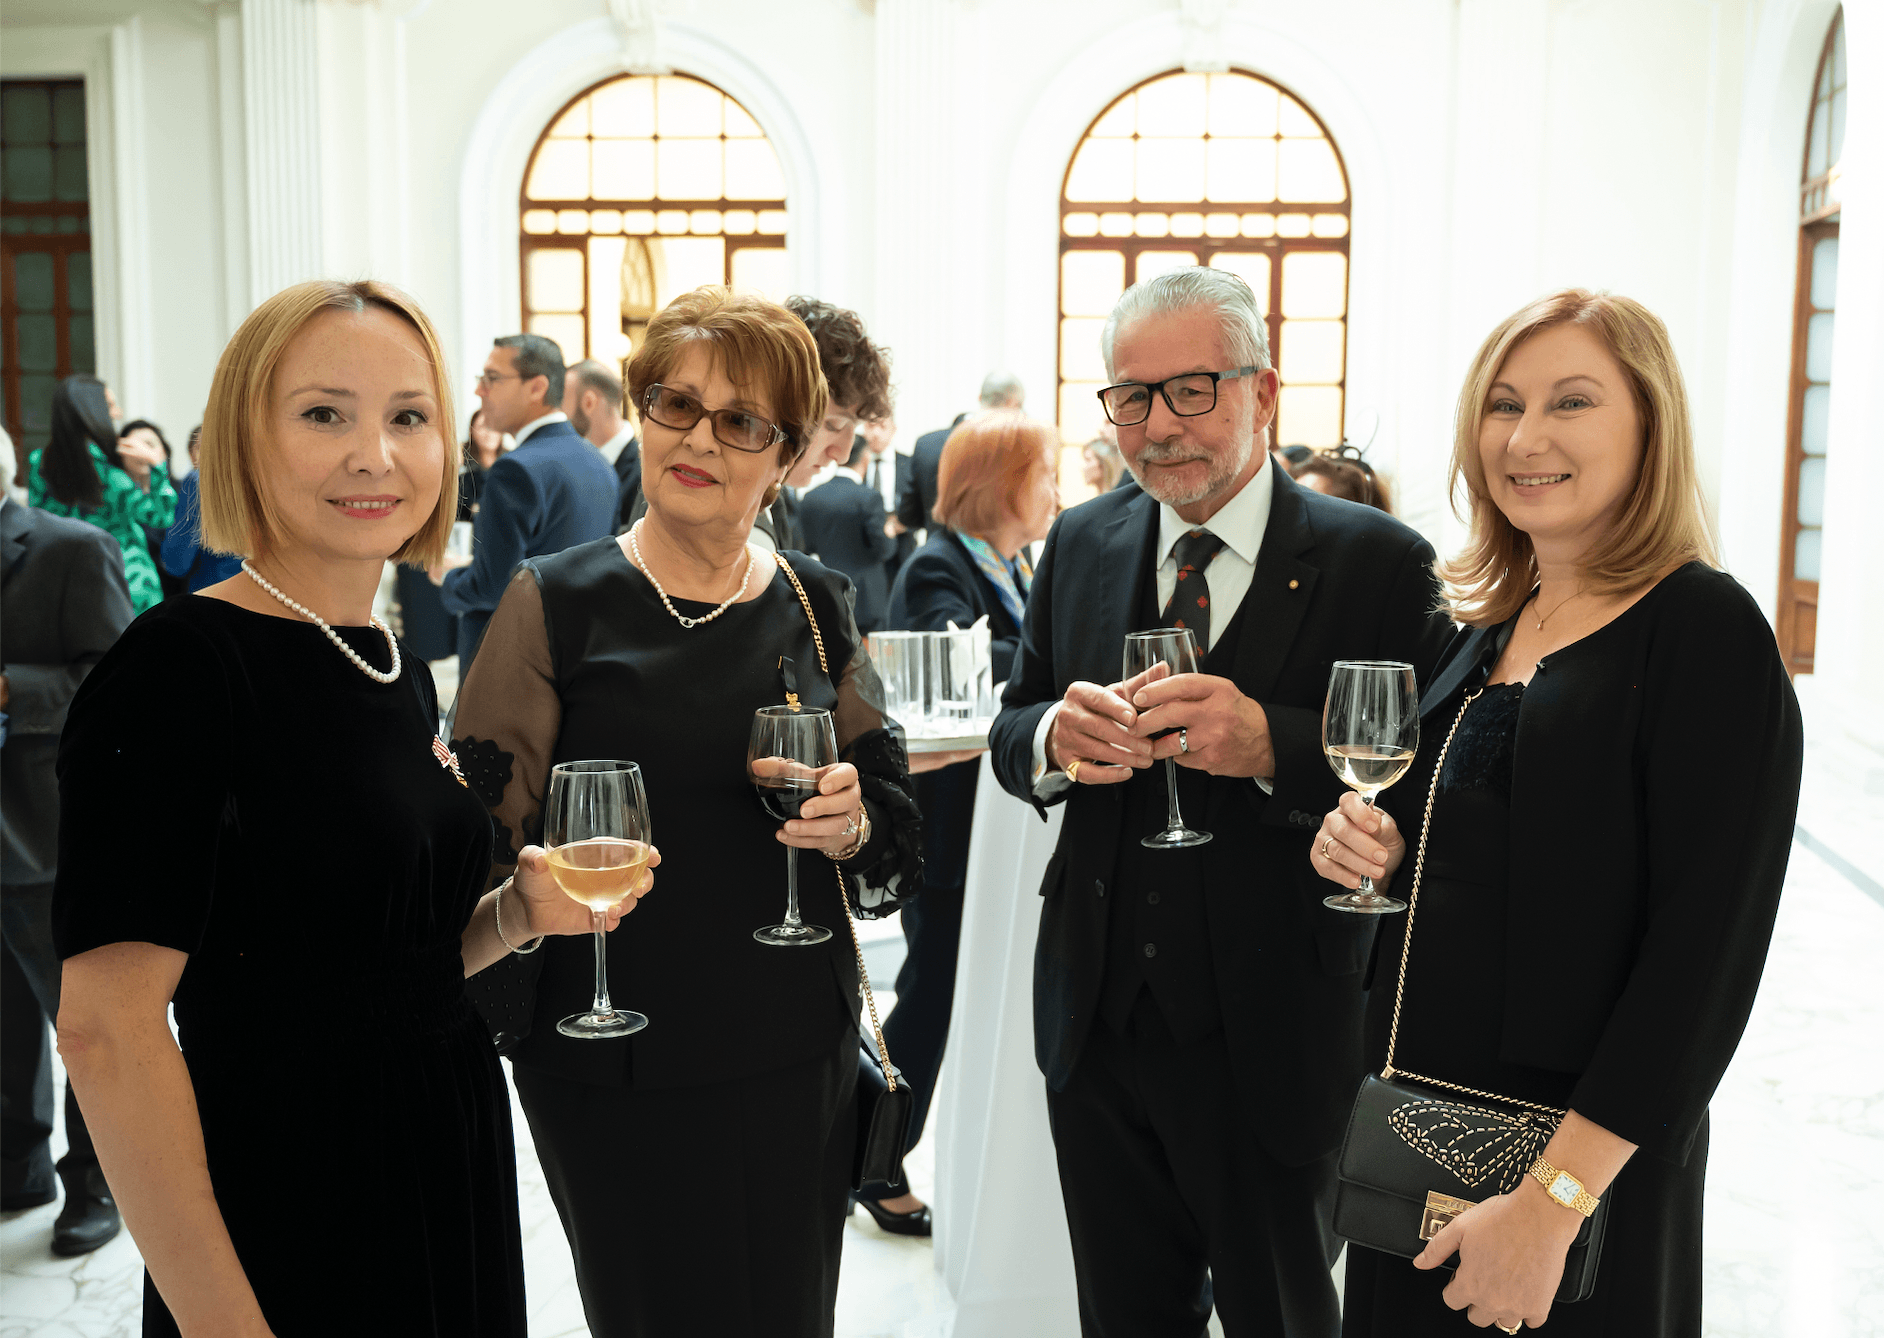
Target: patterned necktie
<point x="1190" y="597"/>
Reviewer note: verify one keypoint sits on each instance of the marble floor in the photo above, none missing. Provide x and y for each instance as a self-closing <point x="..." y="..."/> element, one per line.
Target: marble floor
<point x="1795" y="1245"/>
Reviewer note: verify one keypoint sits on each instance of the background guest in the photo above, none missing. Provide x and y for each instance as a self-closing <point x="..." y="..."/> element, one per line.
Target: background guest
<point x="744" y="1086"/>
<point x="842" y="522"/>
<point x="424" y="622"/>
<point x="1601" y="651"/>
<point x="122" y="486"/>
<point x="915" y="504"/>
<point x="592" y="399"/>
<point x="888" y="471"/>
<point x="997" y="496"/>
<point x="1100" y="465"/>
<point x="1178" y="991"/>
<point x="150" y="436"/>
<point x="63" y="602"/>
<point x="327" y="452"/>
<point x="1342" y="472"/>
<point x="550" y="492"/>
<point x="182" y="553"/>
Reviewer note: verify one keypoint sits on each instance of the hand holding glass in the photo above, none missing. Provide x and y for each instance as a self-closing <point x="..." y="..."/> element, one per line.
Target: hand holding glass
<point x="595" y="823"/>
<point x="1176" y="649"/>
<point x="790" y="749"/>
<point x="1370" y="730"/>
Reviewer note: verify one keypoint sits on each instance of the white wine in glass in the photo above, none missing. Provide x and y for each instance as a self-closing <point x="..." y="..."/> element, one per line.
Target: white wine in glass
<point x="595" y="823"/>
<point x="1370" y="731"/>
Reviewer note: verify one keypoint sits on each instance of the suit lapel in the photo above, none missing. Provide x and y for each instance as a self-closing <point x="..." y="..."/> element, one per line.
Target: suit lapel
<point x="1127" y="551"/>
<point x="1279" y="590"/>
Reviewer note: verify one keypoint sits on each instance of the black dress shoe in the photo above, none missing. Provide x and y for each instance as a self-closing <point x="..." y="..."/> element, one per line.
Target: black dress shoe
<point x="89" y="1219"/>
<point x="917" y="1223"/>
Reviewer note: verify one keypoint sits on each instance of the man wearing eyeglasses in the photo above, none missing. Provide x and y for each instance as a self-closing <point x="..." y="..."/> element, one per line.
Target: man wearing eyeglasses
<point x="1197" y="1009"/>
<point x="552" y="492"/>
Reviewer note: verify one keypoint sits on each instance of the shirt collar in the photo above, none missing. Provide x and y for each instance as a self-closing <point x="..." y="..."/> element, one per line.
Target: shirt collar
<point x="1239" y="522"/>
<point x="857" y="474"/>
<point x="612" y="448"/>
<point x="554" y="416"/>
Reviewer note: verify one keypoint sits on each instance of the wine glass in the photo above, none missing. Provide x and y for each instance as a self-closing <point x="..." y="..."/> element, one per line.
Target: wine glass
<point x="1176" y="649"/>
<point x="595" y="823"/>
<point x="790" y="748"/>
<point x="1370" y="730"/>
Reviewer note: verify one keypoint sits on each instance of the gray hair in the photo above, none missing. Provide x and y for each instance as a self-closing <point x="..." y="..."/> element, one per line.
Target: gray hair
<point x="537" y="356"/>
<point x="1245" y="336"/>
<point x="593" y="375"/>
<point x="9" y="463"/>
<point x="1001" y="388"/>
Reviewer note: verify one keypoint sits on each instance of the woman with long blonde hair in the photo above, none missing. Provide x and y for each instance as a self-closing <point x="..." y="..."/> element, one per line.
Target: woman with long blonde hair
<point x="1592" y="913"/>
<point x="261" y="826"/>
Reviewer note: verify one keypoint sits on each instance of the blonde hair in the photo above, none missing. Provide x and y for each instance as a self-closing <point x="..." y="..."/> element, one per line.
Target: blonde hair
<point x="1664" y="522"/>
<point x="236" y="514"/>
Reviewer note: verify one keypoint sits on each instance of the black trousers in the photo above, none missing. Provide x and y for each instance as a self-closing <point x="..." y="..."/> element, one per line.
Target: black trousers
<point x="724" y="1201"/>
<point x="1174" y="1205"/>
<point x="917" y="1029"/>
<point x="29" y="999"/>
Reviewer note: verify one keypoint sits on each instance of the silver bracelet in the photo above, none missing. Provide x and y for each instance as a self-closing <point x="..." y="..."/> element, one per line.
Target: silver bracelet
<point x="498" y="907"/>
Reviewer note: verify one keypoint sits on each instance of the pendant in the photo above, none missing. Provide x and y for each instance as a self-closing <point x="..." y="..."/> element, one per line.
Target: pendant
<point x="448" y="760"/>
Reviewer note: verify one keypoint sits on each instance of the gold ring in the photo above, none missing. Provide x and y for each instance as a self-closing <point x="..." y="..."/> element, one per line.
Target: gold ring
<point x="850" y="825"/>
<point x="1072" y="769"/>
<point x="1324" y="849"/>
<point x="1502" y="1329"/>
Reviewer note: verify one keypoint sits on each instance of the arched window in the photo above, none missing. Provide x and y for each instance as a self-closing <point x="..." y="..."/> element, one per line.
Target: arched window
<point x="1813" y="314"/>
<point x="1228" y="170"/>
<point x="642" y="188"/>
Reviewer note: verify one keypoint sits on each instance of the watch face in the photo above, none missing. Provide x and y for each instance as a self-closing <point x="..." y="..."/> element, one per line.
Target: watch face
<point x="1564" y="1189"/>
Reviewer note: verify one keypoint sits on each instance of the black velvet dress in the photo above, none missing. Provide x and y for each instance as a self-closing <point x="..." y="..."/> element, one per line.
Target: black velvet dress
<point x="1648" y="1277"/>
<point x="234" y="788"/>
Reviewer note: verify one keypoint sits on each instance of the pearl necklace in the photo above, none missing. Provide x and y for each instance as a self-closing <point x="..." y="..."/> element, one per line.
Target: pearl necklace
<point x="634" y="545"/>
<point x="333" y="636"/>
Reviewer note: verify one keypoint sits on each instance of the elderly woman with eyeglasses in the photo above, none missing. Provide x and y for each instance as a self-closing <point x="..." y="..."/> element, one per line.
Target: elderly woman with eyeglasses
<point x="702" y="1165"/>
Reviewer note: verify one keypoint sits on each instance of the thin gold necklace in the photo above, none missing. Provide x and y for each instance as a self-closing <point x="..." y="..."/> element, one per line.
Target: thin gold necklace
<point x="1538" y="600"/>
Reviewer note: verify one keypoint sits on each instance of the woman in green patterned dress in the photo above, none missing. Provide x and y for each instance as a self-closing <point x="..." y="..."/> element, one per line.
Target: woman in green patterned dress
<point x="87" y="473"/>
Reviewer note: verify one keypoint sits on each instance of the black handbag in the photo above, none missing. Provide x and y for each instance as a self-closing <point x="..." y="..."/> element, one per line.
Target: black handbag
<point x="1420" y="1151"/>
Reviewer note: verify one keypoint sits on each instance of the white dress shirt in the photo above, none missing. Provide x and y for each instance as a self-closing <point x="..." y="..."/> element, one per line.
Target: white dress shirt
<point x="554" y="416"/>
<point x="612" y="448"/>
<point x="1240" y="523"/>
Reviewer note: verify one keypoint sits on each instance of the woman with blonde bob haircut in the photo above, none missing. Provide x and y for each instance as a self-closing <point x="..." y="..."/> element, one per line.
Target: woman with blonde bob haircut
<point x="661" y="646"/>
<point x="1593" y="917"/>
<point x="331" y="1144"/>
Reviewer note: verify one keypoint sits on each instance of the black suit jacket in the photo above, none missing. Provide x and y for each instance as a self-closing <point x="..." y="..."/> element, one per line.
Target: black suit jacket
<point x="1333" y="580"/>
<point x="628" y="474"/>
<point x="63" y="603"/>
<point x="906" y="541"/>
<point x="841" y="522"/>
<point x="915" y="491"/>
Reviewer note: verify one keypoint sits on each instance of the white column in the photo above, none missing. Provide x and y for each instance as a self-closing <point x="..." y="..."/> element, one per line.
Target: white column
<point x="232" y="164"/>
<point x="281" y="97"/>
<point x="1849" y="656"/>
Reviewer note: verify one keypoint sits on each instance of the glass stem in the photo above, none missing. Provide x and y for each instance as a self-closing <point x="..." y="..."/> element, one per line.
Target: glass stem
<point x="1173" y="820"/>
<point x="602" y="1006"/>
<point x="791" y="888"/>
<point x="1366" y="889"/>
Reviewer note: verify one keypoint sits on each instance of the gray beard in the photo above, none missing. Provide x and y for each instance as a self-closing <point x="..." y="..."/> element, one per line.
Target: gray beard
<point x="1221" y="475"/>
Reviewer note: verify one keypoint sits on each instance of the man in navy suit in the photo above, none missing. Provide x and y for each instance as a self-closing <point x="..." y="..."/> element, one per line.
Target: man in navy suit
<point x="915" y="495"/>
<point x="843" y="522"/>
<point x="592" y="399"/>
<point x="553" y="491"/>
<point x="1197" y="1011"/>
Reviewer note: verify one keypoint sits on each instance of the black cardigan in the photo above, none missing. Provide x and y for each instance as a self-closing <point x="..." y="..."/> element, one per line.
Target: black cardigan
<point x="1654" y="786"/>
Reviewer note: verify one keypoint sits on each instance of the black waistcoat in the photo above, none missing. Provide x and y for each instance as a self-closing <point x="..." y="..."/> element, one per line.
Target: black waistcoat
<point x="1158" y="936"/>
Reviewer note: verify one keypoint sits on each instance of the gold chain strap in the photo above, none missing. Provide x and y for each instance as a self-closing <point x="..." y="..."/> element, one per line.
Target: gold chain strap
<point x="843" y="889"/>
<point x="1406" y="943"/>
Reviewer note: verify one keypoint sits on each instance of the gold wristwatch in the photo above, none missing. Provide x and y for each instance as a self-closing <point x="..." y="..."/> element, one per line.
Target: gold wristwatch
<point x="1564" y="1187"/>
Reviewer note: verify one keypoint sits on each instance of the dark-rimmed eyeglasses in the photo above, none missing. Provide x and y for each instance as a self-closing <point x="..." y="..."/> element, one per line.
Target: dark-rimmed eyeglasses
<point x="736" y="428"/>
<point x="1129" y="403"/>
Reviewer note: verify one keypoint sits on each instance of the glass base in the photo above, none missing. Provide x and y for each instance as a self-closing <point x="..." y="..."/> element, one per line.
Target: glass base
<point x="791" y="936"/>
<point x="1175" y="838"/>
<point x="1364" y="903"/>
<point x="602" y="1026"/>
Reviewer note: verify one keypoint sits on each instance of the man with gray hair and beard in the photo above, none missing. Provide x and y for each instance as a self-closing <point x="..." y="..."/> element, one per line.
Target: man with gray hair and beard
<point x="1001" y="392"/>
<point x="1197" y="1011"/>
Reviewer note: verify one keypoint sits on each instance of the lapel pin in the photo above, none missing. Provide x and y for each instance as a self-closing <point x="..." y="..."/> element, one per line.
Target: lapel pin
<point x="1293" y="585"/>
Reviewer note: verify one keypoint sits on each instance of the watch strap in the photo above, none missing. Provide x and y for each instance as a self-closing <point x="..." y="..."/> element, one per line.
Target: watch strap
<point x="1564" y="1188"/>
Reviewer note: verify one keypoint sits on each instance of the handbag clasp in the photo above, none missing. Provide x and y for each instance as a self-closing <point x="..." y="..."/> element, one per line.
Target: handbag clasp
<point x="1440" y="1210"/>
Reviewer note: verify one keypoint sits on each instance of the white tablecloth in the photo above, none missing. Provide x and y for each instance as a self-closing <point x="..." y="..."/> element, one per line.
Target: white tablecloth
<point x="1000" y="1232"/>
